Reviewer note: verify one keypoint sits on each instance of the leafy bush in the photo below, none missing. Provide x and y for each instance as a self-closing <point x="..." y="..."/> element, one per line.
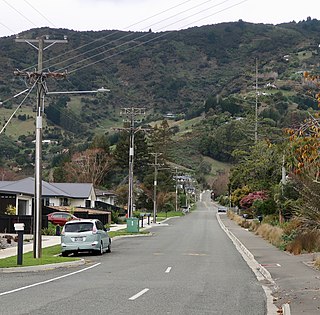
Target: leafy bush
<point x="223" y="200"/>
<point x="247" y="201"/>
<point x="50" y="230"/>
<point x="11" y="210"/>
<point x="264" y="207"/>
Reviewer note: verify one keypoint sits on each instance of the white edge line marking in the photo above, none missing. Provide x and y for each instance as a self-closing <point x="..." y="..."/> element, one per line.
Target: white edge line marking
<point x="49" y="280"/>
<point x="168" y="269"/>
<point x="259" y="271"/>
<point x="139" y="294"/>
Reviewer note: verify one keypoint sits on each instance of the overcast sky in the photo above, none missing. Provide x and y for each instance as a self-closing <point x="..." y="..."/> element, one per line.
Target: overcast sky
<point x="141" y="15"/>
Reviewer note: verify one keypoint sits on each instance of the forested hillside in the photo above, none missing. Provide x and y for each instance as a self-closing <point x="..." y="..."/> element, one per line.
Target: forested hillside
<point x="208" y="73"/>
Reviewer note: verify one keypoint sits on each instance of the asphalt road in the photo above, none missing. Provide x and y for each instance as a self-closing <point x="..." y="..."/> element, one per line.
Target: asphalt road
<point x="186" y="267"/>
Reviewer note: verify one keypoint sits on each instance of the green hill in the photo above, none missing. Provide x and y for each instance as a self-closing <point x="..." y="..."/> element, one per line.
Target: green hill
<point x="203" y="75"/>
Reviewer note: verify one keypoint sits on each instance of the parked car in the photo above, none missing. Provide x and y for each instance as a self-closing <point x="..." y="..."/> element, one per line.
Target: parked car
<point x="60" y="218"/>
<point x="85" y="235"/>
<point x="222" y="209"/>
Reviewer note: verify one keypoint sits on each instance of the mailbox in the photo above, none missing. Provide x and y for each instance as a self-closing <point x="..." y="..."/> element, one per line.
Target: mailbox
<point x="19" y="227"/>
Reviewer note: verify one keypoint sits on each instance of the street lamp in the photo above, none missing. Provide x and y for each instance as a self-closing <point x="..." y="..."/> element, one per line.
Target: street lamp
<point x="100" y="90"/>
<point x="38" y="164"/>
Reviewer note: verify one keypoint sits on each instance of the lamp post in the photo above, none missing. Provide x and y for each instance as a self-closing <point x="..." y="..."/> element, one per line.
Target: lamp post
<point x="39" y="77"/>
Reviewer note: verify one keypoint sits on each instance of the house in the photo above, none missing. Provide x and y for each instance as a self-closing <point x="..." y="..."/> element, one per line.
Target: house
<point x="20" y="194"/>
<point x="105" y="196"/>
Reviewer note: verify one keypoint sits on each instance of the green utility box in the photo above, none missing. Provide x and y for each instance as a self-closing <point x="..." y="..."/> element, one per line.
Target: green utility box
<point x="133" y="225"/>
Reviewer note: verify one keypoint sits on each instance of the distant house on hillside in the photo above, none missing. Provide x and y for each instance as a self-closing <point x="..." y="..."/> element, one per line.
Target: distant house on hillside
<point x="169" y="116"/>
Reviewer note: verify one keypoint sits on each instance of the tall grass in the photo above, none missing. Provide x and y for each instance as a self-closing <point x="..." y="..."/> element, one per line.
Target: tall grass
<point x="305" y="241"/>
<point x="273" y="234"/>
<point x="289" y="236"/>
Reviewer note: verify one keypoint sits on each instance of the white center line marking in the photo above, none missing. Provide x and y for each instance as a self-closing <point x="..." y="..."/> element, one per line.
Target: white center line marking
<point x="139" y="294"/>
<point x="278" y="265"/>
<point x="47" y="281"/>
<point x="168" y="269"/>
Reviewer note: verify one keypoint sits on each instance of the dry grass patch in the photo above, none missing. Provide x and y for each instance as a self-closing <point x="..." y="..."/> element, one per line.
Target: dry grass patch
<point x="271" y="233"/>
<point x="305" y="241"/>
<point x="236" y="218"/>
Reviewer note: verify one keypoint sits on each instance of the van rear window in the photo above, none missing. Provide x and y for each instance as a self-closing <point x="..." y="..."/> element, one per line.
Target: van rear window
<point x="79" y="227"/>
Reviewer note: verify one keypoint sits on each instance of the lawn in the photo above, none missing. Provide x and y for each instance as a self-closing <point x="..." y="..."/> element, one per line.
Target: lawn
<point x="49" y="256"/>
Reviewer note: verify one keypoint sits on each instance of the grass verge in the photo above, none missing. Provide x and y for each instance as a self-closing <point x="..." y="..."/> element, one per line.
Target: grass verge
<point x="50" y="254"/>
<point x="48" y="257"/>
<point x="124" y="232"/>
<point x="169" y="214"/>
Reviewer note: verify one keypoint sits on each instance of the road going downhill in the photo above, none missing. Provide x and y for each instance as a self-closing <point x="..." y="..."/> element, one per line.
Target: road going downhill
<point x="188" y="266"/>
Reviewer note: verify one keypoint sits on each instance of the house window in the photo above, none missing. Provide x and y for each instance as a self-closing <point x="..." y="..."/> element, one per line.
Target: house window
<point x="88" y="203"/>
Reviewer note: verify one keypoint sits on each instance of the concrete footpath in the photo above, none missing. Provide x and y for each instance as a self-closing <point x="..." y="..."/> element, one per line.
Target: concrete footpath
<point x="295" y="284"/>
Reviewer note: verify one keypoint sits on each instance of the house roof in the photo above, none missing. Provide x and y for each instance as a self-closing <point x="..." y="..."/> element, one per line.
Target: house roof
<point x="26" y="186"/>
<point x="101" y="192"/>
<point x="75" y="190"/>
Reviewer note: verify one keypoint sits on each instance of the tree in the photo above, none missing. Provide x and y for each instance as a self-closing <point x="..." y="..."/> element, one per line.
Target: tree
<point x="305" y="147"/>
<point x="141" y="159"/>
<point x="89" y="166"/>
<point x="101" y="142"/>
<point x="259" y="168"/>
<point x="161" y="139"/>
<point x="305" y="140"/>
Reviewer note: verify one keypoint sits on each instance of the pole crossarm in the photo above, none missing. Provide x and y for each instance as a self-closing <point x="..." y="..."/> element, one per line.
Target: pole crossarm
<point x="43" y="75"/>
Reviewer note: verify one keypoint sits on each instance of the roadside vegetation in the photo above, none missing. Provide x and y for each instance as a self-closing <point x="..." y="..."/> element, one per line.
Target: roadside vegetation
<point x="266" y="167"/>
<point x="286" y="236"/>
<point x="50" y="255"/>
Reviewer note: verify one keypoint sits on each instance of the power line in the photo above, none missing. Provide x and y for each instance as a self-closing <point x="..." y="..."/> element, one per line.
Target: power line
<point x="27" y="2"/>
<point x="21" y="14"/>
<point x="7" y="27"/>
<point x="4" y="127"/>
<point x="131" y="34"/>
<point x="148" y="34"/>
<point x="14" y="96"/>
<point x="113" y="33"/>
<point x="157" y="37"/>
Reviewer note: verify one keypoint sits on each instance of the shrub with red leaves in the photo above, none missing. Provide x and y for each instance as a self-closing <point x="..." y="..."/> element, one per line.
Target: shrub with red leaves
<point x="247" y="201"/>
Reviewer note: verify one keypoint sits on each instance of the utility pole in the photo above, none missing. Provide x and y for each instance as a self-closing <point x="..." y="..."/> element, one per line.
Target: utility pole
<point x="40" y="77"/>
<point x="256" y="107"/>
<point x="176" y="189"/>
<point x="156" y="165"/>
<point x="131" y="114"/>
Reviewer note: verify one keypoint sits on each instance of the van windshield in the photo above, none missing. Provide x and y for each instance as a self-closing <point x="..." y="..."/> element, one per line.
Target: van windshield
<point x="79" y="227"/>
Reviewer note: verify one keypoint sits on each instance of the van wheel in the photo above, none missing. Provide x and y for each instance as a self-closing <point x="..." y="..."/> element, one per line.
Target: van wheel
<point x="64" y="254"/>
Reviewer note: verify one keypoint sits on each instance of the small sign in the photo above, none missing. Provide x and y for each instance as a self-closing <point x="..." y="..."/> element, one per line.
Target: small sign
<point x="19" y="226"/>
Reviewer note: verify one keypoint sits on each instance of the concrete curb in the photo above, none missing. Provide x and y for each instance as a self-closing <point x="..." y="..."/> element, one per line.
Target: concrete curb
<point x="265" y="273"/>
<point x="77" y="262"/>
<point x="286" y="309"/>
<point x="43" y="267"/>
<point x="260" y="272"/>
